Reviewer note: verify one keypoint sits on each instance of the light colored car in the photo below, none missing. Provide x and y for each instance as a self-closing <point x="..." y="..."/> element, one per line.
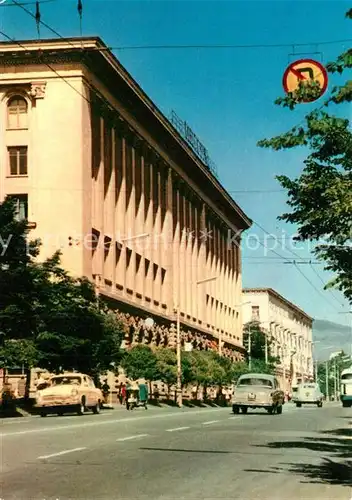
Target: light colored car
<point x="69" y="392"/>
<point x="257" y="390"/>
<point x="309" y="393"/>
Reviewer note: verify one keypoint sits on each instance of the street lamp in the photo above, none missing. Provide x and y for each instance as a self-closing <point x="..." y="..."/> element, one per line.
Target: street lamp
<point x="249" y="333"/>
<point x="313" y="342"/>
<point x="178" y="344"/>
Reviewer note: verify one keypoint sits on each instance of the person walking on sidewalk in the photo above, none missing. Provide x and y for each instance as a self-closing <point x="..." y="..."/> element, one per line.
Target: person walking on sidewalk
<point x="106" y="391"/>
<point x="123" y="394"/>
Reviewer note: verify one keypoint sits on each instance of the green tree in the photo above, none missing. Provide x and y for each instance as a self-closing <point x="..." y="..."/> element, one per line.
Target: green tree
<point x="239" y="368"/>
<point x="140" y="362"/>
<point x="260" y="341"/>
<point x="166" y="366"/>
<point x="321" y="197"/>
<point x="47" y="317"/>
<point x="341" y="362"/>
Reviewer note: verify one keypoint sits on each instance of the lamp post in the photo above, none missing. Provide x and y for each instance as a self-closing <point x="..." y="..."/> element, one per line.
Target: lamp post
<point x="178" y="345"/>
<point x="333" y="356"/>
<point x="249" y="333"/>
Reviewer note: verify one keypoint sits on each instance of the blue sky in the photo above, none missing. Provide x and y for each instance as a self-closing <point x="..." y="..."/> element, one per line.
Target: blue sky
<point x="226" y="95"/>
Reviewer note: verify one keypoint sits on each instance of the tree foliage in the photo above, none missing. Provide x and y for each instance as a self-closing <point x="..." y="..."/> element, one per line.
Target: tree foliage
<point x="321" y="197"/>
<point x="340" y="362"/>
<point x="140" y="362"/>
<point x="47" y="317"/>
<point x="203" y="368"/>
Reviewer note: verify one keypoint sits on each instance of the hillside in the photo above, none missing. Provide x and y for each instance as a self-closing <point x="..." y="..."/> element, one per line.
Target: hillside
<point x="332" y="337"/>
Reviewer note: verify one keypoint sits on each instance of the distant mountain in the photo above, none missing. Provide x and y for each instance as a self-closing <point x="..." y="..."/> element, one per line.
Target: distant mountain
<point x="332" y="337"/>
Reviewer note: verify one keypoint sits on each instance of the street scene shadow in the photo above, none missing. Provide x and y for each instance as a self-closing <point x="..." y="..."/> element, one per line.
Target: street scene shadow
<point x="335" y="467"/>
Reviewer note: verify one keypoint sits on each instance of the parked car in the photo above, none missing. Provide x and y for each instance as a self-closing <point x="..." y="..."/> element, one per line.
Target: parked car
<point x="309" y="393"/>
<point x="257" y="390"/>
<point x="69" y="392"/>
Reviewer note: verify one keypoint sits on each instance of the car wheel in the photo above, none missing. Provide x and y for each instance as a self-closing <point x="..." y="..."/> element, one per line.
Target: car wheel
<point x="96" y="408"/>
<point x="81" y="408"/>
<point x="298" y="405"/>
<point x="244" y="410"/>
<point x="320" y="404"/>
<point x="43" y="413"/>
<point x="270" y="410"/>
<point x="60" y="413"/>
<point x="279" y="409"/>
<point x="235" y="409"/>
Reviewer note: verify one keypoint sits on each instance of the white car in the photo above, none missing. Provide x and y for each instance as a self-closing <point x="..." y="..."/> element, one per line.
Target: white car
<point x="257" y="390"/>
<point x="309" y="393"/>
<point x="69" y="392"/>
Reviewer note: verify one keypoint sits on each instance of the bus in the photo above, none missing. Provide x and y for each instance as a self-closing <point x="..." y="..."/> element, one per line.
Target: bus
<point x="346" y="387"/>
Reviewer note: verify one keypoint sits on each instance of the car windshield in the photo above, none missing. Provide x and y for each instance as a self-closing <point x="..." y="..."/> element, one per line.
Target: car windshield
<point x="66" y="381"/>
<point x="256" y="381"/>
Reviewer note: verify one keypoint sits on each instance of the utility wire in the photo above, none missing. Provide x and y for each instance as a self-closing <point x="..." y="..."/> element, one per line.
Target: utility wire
<point x="315" y="288"/>
<point x="197" y="46"/>
<point x="223" y="46"/>
<point x="295" y="263"/>
<point x="47" y="65"/>
<point x="25" y="3"/>
<point x="60" y="76"/>
<point x="324" y="284"/>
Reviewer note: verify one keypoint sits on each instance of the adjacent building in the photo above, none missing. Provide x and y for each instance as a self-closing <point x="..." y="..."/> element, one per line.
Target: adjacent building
<point x="288" y="329"/>
<point x="100" y="173"/>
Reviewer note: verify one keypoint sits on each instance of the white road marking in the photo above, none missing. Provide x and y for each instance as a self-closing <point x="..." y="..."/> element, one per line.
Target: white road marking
<point x="104" y="422"/>
<point x="132" y="437"/>
<point x="210" y="422"/>
<point x="177" y="429"/>
<point x="60" y="453"/>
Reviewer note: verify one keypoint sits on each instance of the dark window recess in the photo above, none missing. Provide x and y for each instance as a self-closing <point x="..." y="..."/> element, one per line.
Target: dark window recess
<point x="128" y="256"/>
<point x="147" y="264"/>
<point x="138" y="262"/>
<point x="155" y="271"/>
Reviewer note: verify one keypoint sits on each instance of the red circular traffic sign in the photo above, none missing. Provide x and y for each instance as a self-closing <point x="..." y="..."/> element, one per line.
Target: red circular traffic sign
<point x="305" y="70"/>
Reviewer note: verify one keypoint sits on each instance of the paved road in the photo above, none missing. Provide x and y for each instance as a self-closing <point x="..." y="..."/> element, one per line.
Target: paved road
<point x="180" y="454"/>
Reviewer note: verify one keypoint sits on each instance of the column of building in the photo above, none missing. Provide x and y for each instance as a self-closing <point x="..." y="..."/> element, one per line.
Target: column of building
<point x="120" y="219"/>
<point x="109" y="205"/>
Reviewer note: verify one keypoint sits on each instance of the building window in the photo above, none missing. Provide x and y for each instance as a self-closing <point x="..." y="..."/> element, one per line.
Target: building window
<point x="17" y="109"/>
<point x="255" y="313"/>
<point x="21" y="205"/>
<point x="18" y="160"/>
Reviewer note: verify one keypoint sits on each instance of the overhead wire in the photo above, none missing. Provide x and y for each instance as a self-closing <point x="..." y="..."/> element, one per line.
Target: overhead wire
<point x="324" y="284"/>
<point x="5" y="4"/>
<point x="295" y="263"/>
<point x="315" y="288"/>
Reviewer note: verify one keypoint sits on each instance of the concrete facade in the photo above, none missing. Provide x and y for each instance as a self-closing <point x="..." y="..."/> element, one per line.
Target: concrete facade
<point x="104" y="177"/>
<point x="288" y="328"/>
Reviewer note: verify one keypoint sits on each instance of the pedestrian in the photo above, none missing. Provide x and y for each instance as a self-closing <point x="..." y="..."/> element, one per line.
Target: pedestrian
<point x="105" y="390"/>
<point x="123" y="393"/>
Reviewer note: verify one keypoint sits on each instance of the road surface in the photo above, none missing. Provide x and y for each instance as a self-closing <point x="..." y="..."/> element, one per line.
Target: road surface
<point x="179" y="454"/>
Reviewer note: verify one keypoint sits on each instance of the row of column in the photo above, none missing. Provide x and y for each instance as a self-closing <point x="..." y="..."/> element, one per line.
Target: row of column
<point x="156" y="239"/>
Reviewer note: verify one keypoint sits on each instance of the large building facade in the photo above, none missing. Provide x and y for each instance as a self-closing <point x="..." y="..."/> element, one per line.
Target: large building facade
<point x="289" y="331"/>
<point x="101" y="174"/>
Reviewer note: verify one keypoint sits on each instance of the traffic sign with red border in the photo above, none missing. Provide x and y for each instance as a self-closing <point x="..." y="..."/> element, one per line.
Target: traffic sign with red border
<point x="305" y="70"/>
